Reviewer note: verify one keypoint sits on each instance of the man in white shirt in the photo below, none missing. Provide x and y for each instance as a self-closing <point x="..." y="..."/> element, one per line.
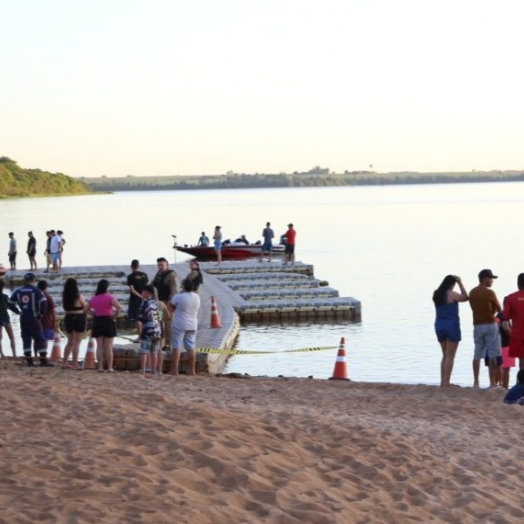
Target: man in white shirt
<point x="55" y="249"/>
<point x="184" y="328"/>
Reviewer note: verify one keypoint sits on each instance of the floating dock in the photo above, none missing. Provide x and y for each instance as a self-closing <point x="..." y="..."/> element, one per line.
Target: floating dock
<point x="245" y="291"/>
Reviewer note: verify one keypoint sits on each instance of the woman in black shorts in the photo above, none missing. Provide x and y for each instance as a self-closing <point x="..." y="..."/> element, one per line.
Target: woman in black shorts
<point x="75" y="320"/>
<point x="105" y="309"/>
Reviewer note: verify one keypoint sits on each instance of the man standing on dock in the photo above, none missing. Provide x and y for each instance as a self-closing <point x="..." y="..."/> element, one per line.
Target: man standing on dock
<point x="165" y="282"/>
<point x="289" y="251"/>
<point x="12" y="250"/>
<point x="136" y="280"/>
<point x="485" y="306"/>
<point x="31" y="251"/>
<point x="267" y="247"/>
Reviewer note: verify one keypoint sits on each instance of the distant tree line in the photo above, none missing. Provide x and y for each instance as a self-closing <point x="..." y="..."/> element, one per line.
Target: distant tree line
<point x="232" y="180"/>
<point x="19" y="182"/>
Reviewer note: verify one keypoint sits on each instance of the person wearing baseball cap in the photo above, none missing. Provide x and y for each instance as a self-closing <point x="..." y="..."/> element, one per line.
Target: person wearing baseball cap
<point x="289" y="251"/>
<point x="485" y="306"/>
<point x="30" y="303"/>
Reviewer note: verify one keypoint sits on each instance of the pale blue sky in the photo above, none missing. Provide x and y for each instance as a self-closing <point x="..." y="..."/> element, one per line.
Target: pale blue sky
<point x="167" y="87"/>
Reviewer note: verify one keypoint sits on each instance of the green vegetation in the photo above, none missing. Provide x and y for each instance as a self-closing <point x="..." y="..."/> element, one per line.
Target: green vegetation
<point x="16" y="181"/>
<point x="313" y="178"/>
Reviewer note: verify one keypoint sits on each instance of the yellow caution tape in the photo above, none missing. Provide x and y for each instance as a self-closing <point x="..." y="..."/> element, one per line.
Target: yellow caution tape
<point x="245" y="352"/>
<point x="249" y="352"/>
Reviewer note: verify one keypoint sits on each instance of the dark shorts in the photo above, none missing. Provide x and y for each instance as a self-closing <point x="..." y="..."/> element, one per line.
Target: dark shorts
<point x="32" y="253"/>
<point x="267" y="246"/>
<point x="12" y="256"/>
<point x="132" y="311"/>
<point x="449" y="332"/>
<point x="75" y="322"/>
<point x="104" y="327"/>
<point x="499" y="361"/>
<point x="289" y="249"/>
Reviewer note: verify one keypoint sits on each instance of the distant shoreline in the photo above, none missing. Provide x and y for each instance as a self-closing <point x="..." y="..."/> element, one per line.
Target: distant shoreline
<point x="259" y="181"/>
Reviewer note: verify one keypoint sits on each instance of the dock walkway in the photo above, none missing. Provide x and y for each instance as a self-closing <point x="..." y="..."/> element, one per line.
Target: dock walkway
<point x="244" y="291"/>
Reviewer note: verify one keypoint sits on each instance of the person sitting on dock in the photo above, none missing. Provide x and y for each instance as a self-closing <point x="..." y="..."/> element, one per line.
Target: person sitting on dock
<point x="203" y="240"/>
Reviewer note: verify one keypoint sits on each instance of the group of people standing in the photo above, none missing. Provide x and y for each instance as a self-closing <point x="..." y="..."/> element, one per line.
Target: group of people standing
<point x="267" y="243"/>
<point x="160" y="311"/>
<point x="498" y="331"/>
<point x="53" y="252"/>
<point x="165" y="318"/>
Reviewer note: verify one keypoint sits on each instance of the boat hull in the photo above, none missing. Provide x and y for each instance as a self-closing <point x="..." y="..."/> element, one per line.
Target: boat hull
<point x="229" y="252"/>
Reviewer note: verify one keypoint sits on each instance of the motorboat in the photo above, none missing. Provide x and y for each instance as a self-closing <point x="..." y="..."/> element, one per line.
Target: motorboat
<point x="229" y="251"/>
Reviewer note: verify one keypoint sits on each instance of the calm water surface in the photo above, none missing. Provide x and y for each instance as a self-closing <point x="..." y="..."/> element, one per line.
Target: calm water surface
<point x="387" y="246"/>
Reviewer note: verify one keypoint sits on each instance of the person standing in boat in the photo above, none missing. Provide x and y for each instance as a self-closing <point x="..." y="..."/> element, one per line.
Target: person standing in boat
<point x="267" y="247"/>
<point x="447" y="323"/>
<point x="217" y="238"/>
<point x="203" y="241"/>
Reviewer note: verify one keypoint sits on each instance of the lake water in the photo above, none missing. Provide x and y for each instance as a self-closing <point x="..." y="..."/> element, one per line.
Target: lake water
<point x="387" y="246"/>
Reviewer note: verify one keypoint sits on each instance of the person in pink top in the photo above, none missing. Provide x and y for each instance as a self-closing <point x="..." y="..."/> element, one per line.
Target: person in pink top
<point x="105" y="309"/>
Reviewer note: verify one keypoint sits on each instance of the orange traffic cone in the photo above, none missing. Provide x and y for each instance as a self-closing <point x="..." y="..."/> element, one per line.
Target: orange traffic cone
<point x="89" y="362"/>
<point x="56" y="352"/>
<point x="215" y="319"/>
<point x="341" y="371"/>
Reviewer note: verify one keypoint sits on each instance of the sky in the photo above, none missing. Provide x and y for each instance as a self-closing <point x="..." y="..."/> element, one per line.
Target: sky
<point x="177" y="87"/>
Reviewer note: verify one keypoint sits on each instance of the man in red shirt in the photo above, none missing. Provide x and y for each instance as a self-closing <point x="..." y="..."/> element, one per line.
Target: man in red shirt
<point x="514" y="311"/>
<point x="289" y="251"/>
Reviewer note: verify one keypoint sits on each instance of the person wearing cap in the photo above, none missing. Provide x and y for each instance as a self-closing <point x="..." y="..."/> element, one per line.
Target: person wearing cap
<point x="217" y="242"/>
<point x="485" y="306"/>
<point x="30" y="303"/>
<point x="514" y="313"/>
<point x="289" y="250"/>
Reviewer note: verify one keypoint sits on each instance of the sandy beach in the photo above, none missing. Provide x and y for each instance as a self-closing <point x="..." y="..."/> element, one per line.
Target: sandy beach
<point x="84" y="447"/>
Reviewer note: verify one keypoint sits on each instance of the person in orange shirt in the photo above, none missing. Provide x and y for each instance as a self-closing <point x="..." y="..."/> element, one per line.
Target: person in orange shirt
<point x="485" y="306"/>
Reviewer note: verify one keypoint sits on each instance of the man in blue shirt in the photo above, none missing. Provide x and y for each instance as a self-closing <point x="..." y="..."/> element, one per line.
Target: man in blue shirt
<point x="30" y="303"/>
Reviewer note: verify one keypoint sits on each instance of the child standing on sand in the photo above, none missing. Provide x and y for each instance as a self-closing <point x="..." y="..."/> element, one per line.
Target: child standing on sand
<point x="150" y="334"/>
<point x="516" y="394"/>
